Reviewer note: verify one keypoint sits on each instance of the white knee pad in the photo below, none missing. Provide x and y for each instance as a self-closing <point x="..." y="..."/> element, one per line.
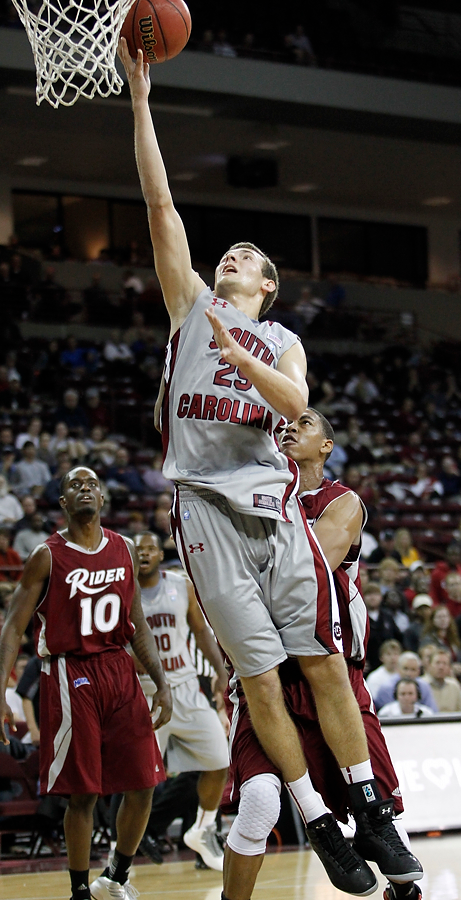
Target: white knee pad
<point x="259" y="809"/>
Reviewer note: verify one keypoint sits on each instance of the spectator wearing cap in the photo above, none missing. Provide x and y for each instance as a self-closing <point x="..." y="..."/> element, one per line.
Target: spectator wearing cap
<point x="72" y="413"/>
<point x="31" y="474"/>
<point x="445" y="688"/>
<point x="14" y="400"/>
<point x="421" y="609"/>
<point x="385" y="549"/>
<point x="382" y="625"/>
<point x="452" y="563"/>
<point x="409" y="667"/>
<point x="404" y="545"/>
<point x="389" y="654"/>
<point x="407" y="702"/>
<point x="10" y="507"/>
<point x="28" y="539"/>
<point x="9" y="557"/>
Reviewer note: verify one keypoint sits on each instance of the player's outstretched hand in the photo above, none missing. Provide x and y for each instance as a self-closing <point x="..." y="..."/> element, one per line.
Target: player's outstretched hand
<point x="162" y="700"/>
<point x="6" y="715"/>
<point x="230" y="350"/>
<point x="137" y="71"/>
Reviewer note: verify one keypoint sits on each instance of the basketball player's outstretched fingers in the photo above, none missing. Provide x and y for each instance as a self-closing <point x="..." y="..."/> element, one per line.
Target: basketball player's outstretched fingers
<point x="124" y="55"/>
<point x="230" y="349"/>
<point x="6" y="715"/>
<point x="137" y="71"/>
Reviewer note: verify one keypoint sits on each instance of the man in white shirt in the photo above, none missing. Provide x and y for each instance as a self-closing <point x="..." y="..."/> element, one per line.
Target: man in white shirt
<point x="389" y="654"/>
<point x="406" y="703"/>
<point x="10" y="507"/>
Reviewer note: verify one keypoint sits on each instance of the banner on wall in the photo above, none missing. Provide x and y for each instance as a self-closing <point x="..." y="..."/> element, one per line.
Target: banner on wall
<point x="427" y="758"/>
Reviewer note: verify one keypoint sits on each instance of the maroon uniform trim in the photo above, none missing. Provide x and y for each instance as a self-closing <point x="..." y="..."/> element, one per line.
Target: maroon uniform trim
<point x="174" y="343"/>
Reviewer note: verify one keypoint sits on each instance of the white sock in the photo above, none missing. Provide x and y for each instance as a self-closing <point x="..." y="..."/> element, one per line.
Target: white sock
<point x="308" y="801"/>
<point x="205" y="817"/>
<point x="355" y="774"/>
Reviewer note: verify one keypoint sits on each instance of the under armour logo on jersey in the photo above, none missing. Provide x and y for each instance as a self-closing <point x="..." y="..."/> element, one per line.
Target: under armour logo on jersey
<point x="216" y="302"/>
<point x="193" y="548"/>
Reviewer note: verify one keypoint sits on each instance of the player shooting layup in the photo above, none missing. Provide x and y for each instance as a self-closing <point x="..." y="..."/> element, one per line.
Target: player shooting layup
<point x="257" y="570"/>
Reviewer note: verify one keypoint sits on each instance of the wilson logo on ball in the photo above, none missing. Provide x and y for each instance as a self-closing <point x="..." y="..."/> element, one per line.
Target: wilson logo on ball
<point x="146" y="27"/>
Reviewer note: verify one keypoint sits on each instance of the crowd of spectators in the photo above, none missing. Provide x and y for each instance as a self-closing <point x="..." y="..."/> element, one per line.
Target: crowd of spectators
<point x="331" y="35"/>
<point x="30" y="290"/>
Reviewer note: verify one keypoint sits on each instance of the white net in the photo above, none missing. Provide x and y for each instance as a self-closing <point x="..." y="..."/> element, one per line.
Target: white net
<point x="74" y="45"/>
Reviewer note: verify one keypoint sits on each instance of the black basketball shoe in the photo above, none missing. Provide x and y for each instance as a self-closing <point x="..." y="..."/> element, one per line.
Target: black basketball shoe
<point x="377" y="839"/>
<point x="390" y="894"/>
<point x="150" y="848"/>
<point x="346" y="870"/>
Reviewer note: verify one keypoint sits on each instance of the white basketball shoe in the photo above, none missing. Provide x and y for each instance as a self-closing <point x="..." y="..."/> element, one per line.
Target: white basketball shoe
<point x="205" y="842"/>
<point x="105" y="889"/>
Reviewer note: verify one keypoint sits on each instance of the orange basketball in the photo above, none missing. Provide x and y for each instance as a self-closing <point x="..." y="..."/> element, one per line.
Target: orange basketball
<point x="160" y="28"/>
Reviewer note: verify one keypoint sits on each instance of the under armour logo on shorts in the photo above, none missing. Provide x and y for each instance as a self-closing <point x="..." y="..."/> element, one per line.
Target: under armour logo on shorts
<point x="216" y="302"/>
<point x="337" y="631"/>
<point x="196" y="547"/>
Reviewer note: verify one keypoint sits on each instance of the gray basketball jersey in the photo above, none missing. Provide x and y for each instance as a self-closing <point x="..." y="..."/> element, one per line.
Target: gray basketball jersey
<point x="165" y="609"/>
<point x="218" y="432"/>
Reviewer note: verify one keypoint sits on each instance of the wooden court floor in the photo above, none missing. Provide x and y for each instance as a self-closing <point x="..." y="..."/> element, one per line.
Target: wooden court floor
<point x="295" y="875"/>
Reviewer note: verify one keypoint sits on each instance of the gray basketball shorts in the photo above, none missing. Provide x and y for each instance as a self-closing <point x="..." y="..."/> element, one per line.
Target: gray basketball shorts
<point x="264" y="585"/>
<point x="194" y="738"/>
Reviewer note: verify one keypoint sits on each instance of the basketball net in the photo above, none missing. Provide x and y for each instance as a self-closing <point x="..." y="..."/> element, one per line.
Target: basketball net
<point x="74" y="43"/>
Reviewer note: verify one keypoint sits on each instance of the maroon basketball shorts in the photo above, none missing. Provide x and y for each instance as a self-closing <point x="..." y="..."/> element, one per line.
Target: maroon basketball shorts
<point x="95" y="729"/>
<point x="248" y="758"/>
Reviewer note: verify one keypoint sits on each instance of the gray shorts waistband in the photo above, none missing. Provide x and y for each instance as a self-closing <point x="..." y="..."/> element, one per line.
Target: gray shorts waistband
<point x="189" y="490"/>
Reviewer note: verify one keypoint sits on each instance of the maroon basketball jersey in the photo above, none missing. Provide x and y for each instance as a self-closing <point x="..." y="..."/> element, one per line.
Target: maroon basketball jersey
<point x="87" y="604"/>
<point x="352" y="610"/>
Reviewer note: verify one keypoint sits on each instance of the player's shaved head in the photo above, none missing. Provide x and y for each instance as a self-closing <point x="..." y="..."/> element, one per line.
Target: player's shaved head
<point x="148" y="534"/>
<point x="72" y="473"/>
<point x="327" y="428"/>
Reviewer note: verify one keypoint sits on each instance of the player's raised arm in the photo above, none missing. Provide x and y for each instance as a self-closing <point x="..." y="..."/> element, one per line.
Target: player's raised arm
<point x="339" y="527"/>
<point x="25" y="599"/>
<point x="285" y="387"/>
<point x="180" y="284"/>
